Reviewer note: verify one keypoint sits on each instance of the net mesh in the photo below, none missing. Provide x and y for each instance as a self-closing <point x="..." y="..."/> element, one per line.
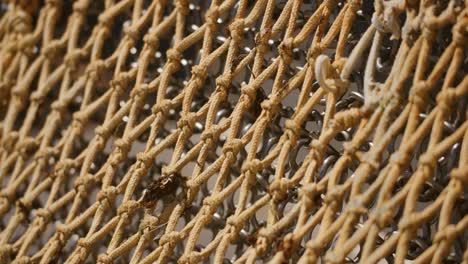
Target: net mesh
<point x="233" y="131"/>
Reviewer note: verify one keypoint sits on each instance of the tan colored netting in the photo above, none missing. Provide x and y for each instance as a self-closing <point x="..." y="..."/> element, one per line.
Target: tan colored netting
<point x="137" y="131"/>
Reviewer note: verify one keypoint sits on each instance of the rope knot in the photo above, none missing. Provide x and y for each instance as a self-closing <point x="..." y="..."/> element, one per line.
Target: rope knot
<point x="182" y="6"/>
<point x="449" y="233"/>
<point x="460" y="33"/>
<point x="163" y="107"/>
<point x="418" y="95"/>
<point x="40" y="223"/>
<point x="446" y="98"/>
<point x="199" y="72"/>
<point x="334" y="196"/>
<point x="123" y="144"/>
<point x="261" y="245"/>
<point x="353" y="6"/>
<point x="285" y="50"/>
<point x="316" y="150"/>
<point x="350" y="148"/>
<point x="132" y="33"/>
<point x="37" y="96"/>
<point x="9" y="193"/>
<point x="79" y="121"/>
<point x="20" y="94"/>
<point x="102" y="131"/>
<point x="116" y="157"/>
<point x="236" y="29"/>
<point x="71" y="59"/>
<point x="315" y="246"/>
<point x="63" y="232"/>
<point x="23" y="260"/>
<point x="105" y="19"/>
<point x="144" y="158"/>
<point x="140" y="91"/>
<point x="63" y="166"/>
<point x="170" y="238"/>
<point x="174" y="56"/>
<point x="99" y="66"/>
<point x="80" y="7"/>
<point x="128" y="207"/>
<point x="105" y="259"/>
<point x="279" y="189"/>
<point x="149" y="222"/>
<point x="54" y="3"/>
<point x="250" y="92"/>
<point x="233" y="147"/>
<point x="107" y="195"/>
<point x="26" y="145"/>
<point x="382" y="216"/>
<point x="356" y="207"/>
<point x="408" y="224"/>
<point x="222" y="92"/>
<point x="460" y="173"/>
<point x="167" y="170"/>
<point x="270" y="106"/>
<point x="334" y="257"/>
<point x="324" y="70"/>
<point x="45" y="214"/>
<point x="209" y="203"/>
<point x="370" y="160"/>
<point x="211" y="16"/>
<point x="6" y="251"/>
<point x="6" y="85"/>
<point x="428" y="159"/>
<point x="252" y="166"/>
<point x="210" y="135"/>
<point x="85" y="243"/>
<point x="59" y="106"/>
<point x="44" y="153"/>
<point x="4" y="203"/>
<point x="82" y="184"/>
<point x="400" y="158"/>
<point x="387" y="22"/>
<point x="151" y="40"/>
<point x="50" y="51"/>
<point x="289" y="242"/>
<point x="308" y="193"/>
<point x="292" y="130"/>
<point x="24" y="204"/>
<point x="187" y="122"/>
<point x="120" y="81"/>
<point x="96" y="68"/>
<point x="428" y="27"/>
<point x="261" y="40"/>
<point x="184" y="259"/>
<point x="224" y="81"/>
<point x="233" y="222"/>
<point x="10" y="140"/>
<point x="232" y="232"/>
<point x="20" y="22"/>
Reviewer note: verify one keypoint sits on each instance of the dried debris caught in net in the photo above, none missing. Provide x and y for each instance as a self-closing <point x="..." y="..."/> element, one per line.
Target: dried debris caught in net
<point x="234" y="131"/>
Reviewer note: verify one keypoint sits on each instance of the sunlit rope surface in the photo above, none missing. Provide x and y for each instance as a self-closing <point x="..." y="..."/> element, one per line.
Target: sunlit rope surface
<point x="236" y="131"/>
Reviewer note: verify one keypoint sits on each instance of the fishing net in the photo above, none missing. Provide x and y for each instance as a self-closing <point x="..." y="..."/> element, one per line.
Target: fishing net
<point x="233" y="131"/>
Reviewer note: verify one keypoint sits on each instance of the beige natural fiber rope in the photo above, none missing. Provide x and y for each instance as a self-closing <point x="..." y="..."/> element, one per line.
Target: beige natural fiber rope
<point x="233" y="131"/>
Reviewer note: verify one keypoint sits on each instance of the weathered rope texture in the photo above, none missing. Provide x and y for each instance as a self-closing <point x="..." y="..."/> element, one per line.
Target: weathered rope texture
<point x="233" y="131"/>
